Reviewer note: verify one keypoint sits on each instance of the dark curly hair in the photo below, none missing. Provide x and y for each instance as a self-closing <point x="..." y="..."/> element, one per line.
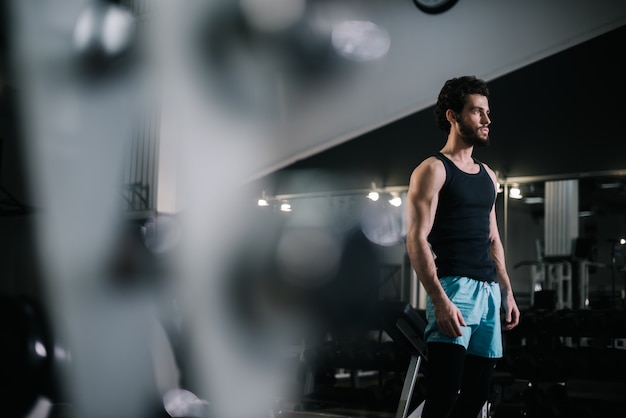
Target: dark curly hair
<point x="453" y="95"/>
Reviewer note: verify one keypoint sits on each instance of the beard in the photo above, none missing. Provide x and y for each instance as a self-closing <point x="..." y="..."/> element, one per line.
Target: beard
<point x="471" y="136"/>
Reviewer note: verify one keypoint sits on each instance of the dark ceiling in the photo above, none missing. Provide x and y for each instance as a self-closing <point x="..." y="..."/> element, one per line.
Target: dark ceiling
<point x="562" y="115"/>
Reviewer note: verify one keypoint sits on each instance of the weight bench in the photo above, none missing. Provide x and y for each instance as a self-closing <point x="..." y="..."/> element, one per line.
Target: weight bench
<point x="406" y="327"/>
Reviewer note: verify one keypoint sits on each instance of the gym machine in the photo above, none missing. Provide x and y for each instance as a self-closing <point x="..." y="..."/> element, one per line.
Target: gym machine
<point x="404" y="353"/>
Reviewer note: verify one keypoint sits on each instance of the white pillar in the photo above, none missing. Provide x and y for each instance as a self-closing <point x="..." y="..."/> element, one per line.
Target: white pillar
<point x="561" y="217"/>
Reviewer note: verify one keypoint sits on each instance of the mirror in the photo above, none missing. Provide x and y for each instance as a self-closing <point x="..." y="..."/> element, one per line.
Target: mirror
<point x="597" y="247"/>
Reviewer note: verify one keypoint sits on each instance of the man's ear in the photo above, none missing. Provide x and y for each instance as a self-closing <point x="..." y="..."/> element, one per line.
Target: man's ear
<point x="451" y="116"/>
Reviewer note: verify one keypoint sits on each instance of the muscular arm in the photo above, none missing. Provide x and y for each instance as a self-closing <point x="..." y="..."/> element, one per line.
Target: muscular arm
<point x="511" y="311"/>
<point x="422" y="197"/>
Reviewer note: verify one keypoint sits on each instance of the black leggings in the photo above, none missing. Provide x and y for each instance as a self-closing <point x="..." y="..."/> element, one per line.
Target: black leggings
<point x="457" y="385"/>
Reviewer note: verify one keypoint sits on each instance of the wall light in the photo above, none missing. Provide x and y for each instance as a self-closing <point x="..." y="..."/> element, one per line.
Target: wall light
<point x="395" y="195"/>
<point x="395" y="201"/>
<point x="263" y="200"/>
<point x="515" y="192"/>
<point x="373" y="195"/>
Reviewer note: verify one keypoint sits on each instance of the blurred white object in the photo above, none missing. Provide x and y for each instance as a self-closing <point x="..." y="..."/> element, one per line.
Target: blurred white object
<point x="104" y="29"/>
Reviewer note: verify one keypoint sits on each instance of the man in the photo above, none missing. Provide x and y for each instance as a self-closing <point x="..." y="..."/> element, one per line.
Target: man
<point x="455" y="248"/>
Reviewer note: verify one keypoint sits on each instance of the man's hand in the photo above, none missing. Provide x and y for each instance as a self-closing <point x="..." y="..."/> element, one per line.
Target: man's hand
<point x="449" y="319"/>
<point x="511" y="311"/>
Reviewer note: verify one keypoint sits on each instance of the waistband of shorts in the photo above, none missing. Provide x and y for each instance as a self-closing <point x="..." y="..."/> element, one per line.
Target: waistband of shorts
<point x="469" y="278"/>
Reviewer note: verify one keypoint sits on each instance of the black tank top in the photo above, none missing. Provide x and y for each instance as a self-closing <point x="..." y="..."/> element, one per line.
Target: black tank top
<point x="460" y="233"/>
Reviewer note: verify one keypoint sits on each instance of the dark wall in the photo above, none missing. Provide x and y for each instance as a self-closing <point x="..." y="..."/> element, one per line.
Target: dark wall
<point x="558" y="116"/>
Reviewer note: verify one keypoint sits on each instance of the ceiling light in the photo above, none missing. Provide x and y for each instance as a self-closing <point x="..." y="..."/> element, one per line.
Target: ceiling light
<point x="360" y="41"/>
<point x="285" y="207"/>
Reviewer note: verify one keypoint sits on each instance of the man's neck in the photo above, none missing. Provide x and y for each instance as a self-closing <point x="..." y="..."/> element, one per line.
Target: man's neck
<point x="457" y="150"/>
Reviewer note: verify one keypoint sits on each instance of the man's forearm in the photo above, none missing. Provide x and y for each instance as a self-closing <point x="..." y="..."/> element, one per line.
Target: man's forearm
<point x="423" y="262"/>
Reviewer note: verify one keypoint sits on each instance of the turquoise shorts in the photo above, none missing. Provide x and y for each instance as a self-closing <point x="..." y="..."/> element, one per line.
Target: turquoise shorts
<point x="479" y="302"/>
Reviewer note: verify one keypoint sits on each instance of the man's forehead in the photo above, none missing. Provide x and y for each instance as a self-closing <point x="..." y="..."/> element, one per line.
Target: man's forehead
<point x="476" y="100"/>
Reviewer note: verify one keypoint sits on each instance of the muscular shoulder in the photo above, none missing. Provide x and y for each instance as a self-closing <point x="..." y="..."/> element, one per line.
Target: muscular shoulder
<point x="430" y="167"/>
<point x="429" y="172"/>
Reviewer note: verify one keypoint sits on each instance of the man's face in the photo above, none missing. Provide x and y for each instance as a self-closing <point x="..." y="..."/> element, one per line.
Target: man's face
<point x="474" y="121"/>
